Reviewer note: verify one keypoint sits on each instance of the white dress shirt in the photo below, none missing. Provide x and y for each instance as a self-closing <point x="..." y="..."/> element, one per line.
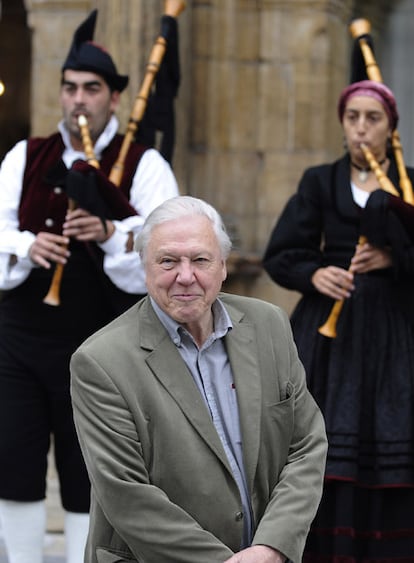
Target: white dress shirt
<point x="153" y="183"/>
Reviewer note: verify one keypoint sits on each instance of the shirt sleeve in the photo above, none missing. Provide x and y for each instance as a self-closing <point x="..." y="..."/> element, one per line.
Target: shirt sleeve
<point x="153" y="183"/>
<point x="15" y="264"/>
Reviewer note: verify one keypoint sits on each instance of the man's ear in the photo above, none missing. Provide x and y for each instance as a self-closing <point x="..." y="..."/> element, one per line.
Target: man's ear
<point x="115" y="97"/>
<point x="223" y="271"/>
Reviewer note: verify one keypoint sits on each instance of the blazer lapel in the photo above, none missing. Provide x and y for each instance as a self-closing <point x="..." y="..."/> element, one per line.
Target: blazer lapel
<point x="244" y="358"/>
<point x="169" y="368"/>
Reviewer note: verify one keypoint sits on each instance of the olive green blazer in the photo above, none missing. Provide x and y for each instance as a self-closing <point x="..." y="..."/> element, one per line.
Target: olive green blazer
<point x="162" y="488"/>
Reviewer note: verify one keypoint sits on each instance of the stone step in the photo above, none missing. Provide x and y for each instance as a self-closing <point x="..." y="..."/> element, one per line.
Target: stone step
<point x="54" y="549"/>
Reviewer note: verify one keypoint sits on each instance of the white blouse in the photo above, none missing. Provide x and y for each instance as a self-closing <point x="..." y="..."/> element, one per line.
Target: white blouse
<point x="360" y="196"/>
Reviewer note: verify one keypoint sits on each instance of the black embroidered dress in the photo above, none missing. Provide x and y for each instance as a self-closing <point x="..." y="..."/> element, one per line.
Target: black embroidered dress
<point x="363" y="380"/>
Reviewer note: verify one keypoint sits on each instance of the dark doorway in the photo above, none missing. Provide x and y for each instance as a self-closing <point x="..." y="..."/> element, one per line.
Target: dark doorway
<point x="15" y="64"/>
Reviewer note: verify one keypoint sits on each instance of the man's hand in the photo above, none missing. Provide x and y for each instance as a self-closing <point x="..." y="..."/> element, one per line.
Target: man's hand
<point x="83" y="226"/>
<point x="48" y="248"/>
<point x="334" y="282"/>
<point x="257" y="554"/>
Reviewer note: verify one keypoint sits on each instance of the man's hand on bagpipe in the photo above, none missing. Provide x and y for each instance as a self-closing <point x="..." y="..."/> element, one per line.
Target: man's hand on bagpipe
<point x="83" y="226"/>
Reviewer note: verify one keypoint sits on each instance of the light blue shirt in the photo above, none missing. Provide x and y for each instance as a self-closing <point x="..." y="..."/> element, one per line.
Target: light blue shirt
<point x="212" y="373"/>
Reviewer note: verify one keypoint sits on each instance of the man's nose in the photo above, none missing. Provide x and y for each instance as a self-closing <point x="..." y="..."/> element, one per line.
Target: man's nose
<point x="185" y="272"/>
<point x="79" y="95"/>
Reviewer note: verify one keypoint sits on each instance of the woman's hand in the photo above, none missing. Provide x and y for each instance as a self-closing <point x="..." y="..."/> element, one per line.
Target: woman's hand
<point x="368" y="258"/>
<point x="337" y="283"/>
<point x="334" y="282"/>
<point x="83" y="226"/>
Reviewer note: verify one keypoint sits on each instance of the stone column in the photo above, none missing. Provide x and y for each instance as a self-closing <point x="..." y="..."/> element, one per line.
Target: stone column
<point x="52" y="24"/>
<point x="128" y="34"/>
<point x="266" y="80"/>
<point x="395" y="47"/>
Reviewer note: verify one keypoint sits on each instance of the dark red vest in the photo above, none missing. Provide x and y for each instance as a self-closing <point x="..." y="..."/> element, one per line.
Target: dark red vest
<point x="43" y="206"/>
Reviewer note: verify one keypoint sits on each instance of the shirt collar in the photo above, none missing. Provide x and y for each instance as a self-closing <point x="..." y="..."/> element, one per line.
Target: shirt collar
<point x="222" y="321"/>
<point x="101" y="143"/>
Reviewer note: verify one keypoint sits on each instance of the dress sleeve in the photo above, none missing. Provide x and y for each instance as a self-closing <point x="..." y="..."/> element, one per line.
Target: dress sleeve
<point x="294" y="252"/>
<point x="388" y="221"/>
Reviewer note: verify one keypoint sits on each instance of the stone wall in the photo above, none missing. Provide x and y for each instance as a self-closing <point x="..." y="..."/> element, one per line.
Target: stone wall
<point x="257" y="102"/>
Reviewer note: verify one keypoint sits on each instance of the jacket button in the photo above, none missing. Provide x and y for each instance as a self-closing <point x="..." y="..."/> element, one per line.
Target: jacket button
<point x="57" y="190"/>
<point x="239" y="516"/>
<point x="49" y="222"/>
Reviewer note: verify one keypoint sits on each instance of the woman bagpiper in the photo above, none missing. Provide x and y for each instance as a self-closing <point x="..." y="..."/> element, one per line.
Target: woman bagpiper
<point x="342" y="238"/>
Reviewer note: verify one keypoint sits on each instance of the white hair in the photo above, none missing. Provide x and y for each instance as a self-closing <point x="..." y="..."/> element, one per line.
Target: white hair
<point x="183" y="206"/>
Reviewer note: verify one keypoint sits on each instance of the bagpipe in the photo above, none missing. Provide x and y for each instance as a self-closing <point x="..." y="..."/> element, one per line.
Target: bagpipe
<point x="363" y="46"/>
<point x="172" y="10"/>
<point x="360" y="31"/>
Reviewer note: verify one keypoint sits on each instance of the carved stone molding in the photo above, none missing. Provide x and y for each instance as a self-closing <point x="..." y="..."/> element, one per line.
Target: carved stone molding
<point x="32" y="5"/>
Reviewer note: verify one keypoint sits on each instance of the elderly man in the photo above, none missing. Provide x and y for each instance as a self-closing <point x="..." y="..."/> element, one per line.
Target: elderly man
<point x="201" y="439"/>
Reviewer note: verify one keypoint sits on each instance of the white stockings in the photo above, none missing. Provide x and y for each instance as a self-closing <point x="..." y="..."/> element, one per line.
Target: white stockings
<point x="76" y="532"/>
<point x="23" y="526"/>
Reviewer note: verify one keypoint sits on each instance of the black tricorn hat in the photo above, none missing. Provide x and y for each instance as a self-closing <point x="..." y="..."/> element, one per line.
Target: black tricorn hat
<point x="86" y="55"/>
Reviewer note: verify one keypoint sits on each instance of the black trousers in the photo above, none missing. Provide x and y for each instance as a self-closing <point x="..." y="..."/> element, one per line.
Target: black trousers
<point x="36" y="343"/>
<point x="35" y="405"/>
